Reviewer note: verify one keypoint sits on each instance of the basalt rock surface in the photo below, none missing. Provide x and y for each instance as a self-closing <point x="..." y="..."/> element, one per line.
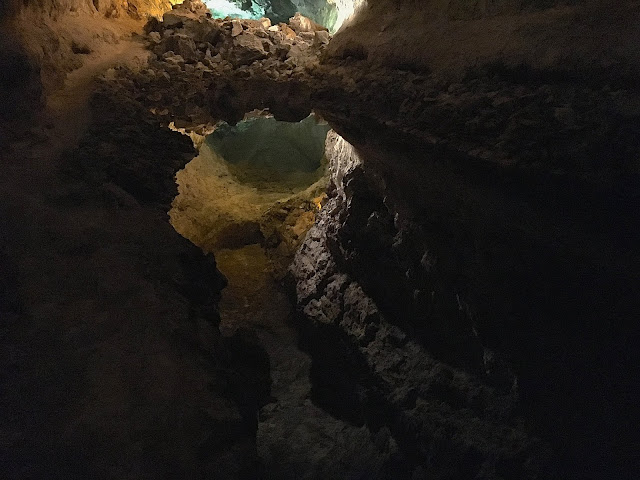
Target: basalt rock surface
<point x="113" y="365"/>
<point x="491" y="224"/>
<point x="207" y="70"/>
<point x="468" y="290"/>
<point x="513" y="268"/>
<point x="459" y="246"/>
<point x="371" y="367"/>
<point x="512" y="273"/>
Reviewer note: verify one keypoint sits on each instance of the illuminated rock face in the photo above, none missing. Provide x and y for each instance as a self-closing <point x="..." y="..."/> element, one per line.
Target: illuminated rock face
<point x="252" y="183"/>
<point x="321" y="11"/>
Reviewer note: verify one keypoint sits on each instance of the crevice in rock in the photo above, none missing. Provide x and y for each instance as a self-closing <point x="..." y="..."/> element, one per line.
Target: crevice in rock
<point x="295" y="436"/>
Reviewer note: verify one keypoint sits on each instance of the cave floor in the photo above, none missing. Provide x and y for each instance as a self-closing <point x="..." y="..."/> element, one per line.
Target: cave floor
<point x="296" y="438"/>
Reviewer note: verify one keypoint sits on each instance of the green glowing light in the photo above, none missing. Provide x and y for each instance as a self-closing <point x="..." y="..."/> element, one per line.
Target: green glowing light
<point x="266" y="143"/>
<point x="225" y="8"/>
<point x="324" y="12"/>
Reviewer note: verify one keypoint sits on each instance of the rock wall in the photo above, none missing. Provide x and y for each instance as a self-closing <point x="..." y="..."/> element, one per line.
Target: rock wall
<point x="391" y="267"/>
<point x="371" y="368"/>
<point x="113" y="364"/>
<point x="468" y="291"/>
<point x="110" y="8"/>
<point x="42" y="41"/>
<point x="492" y="222"/>
<point x="448" y="38"/>
<point x="491" y="229"/>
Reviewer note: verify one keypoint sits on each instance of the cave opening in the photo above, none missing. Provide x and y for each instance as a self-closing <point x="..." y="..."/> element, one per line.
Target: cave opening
<point x="323" y="12"/>
<point x="271" y="154"/>
<point x="250" y="197"/>
<point x="259" y="181"/>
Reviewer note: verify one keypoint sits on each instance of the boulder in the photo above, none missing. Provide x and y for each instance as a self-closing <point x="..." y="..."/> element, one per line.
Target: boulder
<point x="300" y="23"/>
<point x="322" y="37"/>
<point x="182" y="45"/>
<point x="287" y="30"/>
<point x="203" y="30"/>
<point x="307" y="36"/>
<point x="154" y="37"/>
<point x="298" y="51"/>
<point x="236" y="28"/>
<point x="266" y="23"/>
<point x="152" y="25"/>
<point x="195" y="6"/>
<point x="198" y="27"/>
<point x="174" y="19"/>
<point x="260" y="24"/>
<point x="188" y="11"/>
<point x="246" y="49"/>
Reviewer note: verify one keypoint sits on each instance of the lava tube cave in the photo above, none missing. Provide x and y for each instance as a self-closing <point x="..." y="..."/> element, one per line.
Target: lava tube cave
<point x="319" y="239"/>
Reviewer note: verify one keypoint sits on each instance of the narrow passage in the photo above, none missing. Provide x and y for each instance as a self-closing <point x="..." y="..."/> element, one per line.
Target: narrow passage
<point x="296" y="439"/>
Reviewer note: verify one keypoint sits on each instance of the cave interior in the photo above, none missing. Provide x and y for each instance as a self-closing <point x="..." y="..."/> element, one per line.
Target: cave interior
<point x="319" y="239"/>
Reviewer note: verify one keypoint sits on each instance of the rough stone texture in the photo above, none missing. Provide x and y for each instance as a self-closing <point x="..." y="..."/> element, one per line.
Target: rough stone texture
<point x="239" y="42"/>
<point x="501" y="226"/>
<point x="182" y="45"/>
<point x="371" y="371"/>
<point x="466" y="228"/>
<point x="484" y="262"/>
<point x="300" y="23"/>
<point x="20" y="85"/>
<point x="469" y="292"/>
<point x="247" y="49"/>
<point x="45" y="40"/>
<point x="112" y="362"/>
<point x="449" y="38"/>
<point x="468" y="260"/>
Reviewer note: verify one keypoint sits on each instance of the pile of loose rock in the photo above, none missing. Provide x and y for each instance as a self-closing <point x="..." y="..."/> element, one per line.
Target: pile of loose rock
<point x="188" y="37"/>
<point x="205" y="70"/>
